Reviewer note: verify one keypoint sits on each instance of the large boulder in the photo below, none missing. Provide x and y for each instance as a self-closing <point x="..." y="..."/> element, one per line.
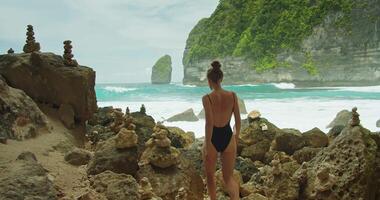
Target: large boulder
<point x="78" y="156"/>
<point x="20" y="117"/>
<point x="315" y="138"/>
<point x="162" y="70"/>
<point x="166" y="182"/>
<point x="342" y="118"/>
<point x="378" y="123"/>
<point x="46" y="79"/>
<point x="288" y="141"/>
<point x="254" y="141"/>
<point x="25" y="178"/>
<point x="115" y="186"/>
<point x="108" y="157"/>
<point x="180" y="138"/>
<point x="187" y="115"/>
<point x="305" y="154"/>
<point x="347" y="169"/>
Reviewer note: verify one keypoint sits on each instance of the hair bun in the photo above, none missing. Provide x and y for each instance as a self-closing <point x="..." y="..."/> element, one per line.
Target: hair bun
<point x="216" y="65"/>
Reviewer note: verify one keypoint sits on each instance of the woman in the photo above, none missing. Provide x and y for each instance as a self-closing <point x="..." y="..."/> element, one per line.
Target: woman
<point x="219" y="106"/>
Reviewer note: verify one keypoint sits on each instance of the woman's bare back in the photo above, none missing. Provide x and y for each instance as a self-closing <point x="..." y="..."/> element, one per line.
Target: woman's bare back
<point x="222" y="104"/>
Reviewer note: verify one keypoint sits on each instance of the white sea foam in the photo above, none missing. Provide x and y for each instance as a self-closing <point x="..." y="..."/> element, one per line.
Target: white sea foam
<point x="302" y="114"/>
<point x="284" y="85"/>
<point x="119" y="89"/>
<point x="244" y="85"/>
<point x="181" y="85"/>
<point x="375" y="88"/>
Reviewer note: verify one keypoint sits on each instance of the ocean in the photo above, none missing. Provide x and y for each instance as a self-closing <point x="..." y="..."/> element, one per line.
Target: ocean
<point x="283" y="104"/>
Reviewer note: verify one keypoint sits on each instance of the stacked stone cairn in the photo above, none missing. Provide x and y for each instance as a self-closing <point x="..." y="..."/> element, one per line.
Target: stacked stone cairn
<point x="10" y="51"/>
<point x="142" y="109"/>
<point x="158" y="151"/>
<point x="67" y="54"/>
<point x="31" y="44"/>
<point x="146" y="191"/>
<point x="127" y="137"/>
<point x="355" y="121"/>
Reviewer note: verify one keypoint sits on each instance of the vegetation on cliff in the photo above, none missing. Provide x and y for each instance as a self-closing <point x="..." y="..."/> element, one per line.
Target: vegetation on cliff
<point x="261" y="29"/>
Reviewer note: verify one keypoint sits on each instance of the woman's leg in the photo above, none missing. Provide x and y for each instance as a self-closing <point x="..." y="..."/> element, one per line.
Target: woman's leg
<point x="228" y="165"/>
<point x="209" y="162"/>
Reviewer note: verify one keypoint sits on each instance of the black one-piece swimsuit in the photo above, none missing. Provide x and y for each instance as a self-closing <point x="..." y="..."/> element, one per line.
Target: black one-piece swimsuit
<point x="221" y="136"/>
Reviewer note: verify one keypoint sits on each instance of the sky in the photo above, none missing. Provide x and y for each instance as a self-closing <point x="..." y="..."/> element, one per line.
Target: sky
<point x="120" y="39"/>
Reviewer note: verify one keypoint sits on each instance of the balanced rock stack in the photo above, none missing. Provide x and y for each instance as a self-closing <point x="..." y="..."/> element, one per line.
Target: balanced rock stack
<point x="127" y="137"/>
<point x="31" y="44"/>
<point x="67" y="55"/>
<point x="146" y="191"/>
<point x="10" y="51"/>
<point x="355" y="121"/>
<point x="159" y="153"/>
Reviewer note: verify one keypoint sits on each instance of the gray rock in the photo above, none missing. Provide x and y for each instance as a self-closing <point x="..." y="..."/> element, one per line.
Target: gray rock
<point x="187" y="115"/>
<point x="335" y="131"/>
<point x="78" y="157"/>
<point x="342" y="119"/>
<point x="378" y="123"/>
<point x="27" y="156"/>
<point x="305" y="154"/>
<point x="315" y="138"/>
<point x="25" y="179"/>
<point x="115" y="186"/>
<point x="353" y="161"/>
<point x="289" y="141"/>
<point x="108" y="157"/>
<point x="20" y="117"/>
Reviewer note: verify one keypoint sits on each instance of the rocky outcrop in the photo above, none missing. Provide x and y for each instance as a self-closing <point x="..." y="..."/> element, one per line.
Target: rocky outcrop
<point x="347" y="169"/>
<point x="45" y="78"/>
<point x="108" y="157"/>
<point x="289" y="141"/>
<point x="78" y="156"/>
<point x="315" y="138"/>
<point x="25" y="178"/>
<point x="180" y="138"/>
<point x="187" y="115"/>
<point x="20" y="117"/>
<point x="162" y="71"/>
<point x="341" y="57"/>
<point x="167" y="183"/>
<point x="115" y="186"/>
<point x="341" y="119"/>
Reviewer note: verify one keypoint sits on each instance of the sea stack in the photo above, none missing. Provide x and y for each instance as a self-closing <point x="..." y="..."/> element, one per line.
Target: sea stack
<point x="67" y="54"/>
<point x="162" y="71"/>
<point x="31" y="44"/>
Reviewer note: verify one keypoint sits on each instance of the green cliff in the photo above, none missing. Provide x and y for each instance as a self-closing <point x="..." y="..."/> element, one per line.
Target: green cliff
<point x="162" y="70"/>
<point x="262" y="35"/>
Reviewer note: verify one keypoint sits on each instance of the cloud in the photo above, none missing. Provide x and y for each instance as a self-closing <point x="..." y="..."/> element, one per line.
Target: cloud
<point x="118" y="38"/>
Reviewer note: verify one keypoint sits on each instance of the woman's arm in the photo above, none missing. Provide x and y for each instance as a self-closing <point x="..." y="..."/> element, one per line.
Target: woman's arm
<point x="209" y="119"/>
<point x="237" y="117"/>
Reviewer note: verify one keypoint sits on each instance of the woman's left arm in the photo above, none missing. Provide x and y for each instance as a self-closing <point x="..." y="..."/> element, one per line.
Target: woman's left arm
<point x="237" y="118"/>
